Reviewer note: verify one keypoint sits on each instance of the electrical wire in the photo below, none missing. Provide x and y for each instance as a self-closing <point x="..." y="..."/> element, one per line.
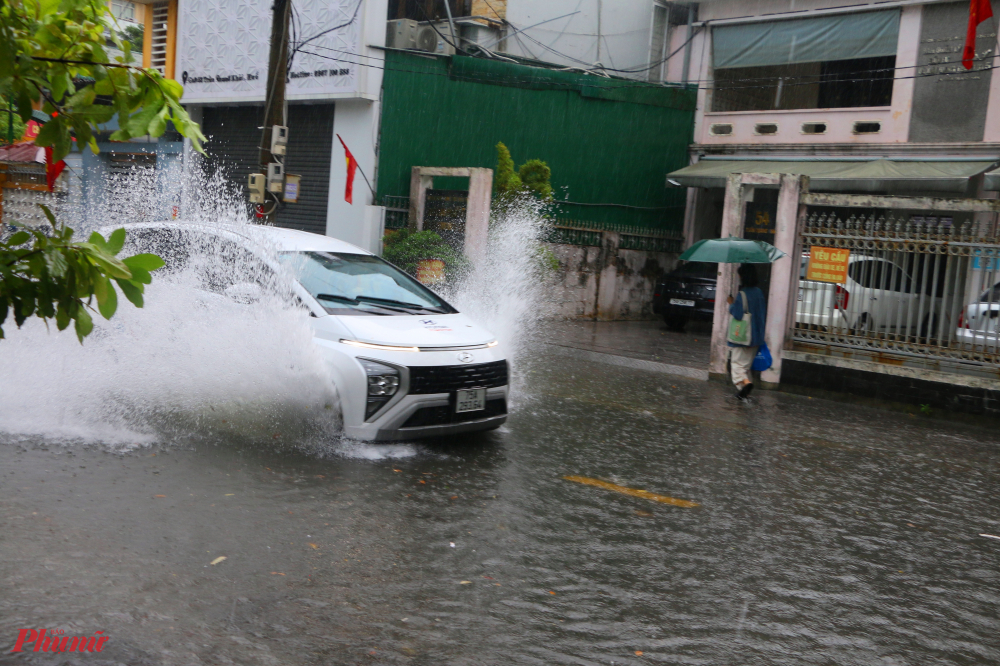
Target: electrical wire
<point x="634" y="83"/>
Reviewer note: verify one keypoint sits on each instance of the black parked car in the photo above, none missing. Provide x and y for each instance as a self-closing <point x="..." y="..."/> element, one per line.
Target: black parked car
<point x="688" y="292"/>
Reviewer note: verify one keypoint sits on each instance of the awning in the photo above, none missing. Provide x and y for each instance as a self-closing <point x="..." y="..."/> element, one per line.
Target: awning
<point x="817" y="39"/>
<point x="991" y="181"/>
<point x="843" y="175"/>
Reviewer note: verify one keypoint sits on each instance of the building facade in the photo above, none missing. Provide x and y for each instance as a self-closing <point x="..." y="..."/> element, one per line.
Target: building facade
<point x="218" y="50"/>
<point x="869" y="97"/>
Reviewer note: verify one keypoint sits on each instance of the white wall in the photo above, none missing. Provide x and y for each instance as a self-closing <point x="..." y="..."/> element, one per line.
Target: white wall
<point x="624" y="28"/>
<point x="357" y="123"/>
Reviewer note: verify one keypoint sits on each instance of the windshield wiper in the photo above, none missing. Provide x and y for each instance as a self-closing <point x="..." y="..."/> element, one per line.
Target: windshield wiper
<point x="354" y="301"/>
<point x="401" y="304"/>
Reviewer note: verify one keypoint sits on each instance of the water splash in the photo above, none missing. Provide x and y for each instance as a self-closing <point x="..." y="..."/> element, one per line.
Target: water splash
<point x="508" y="291"/>
<point x="195" y="365"/>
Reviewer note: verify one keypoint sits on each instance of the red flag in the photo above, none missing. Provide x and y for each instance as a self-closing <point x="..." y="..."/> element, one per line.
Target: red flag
<point x="979" y="11"/>
<point x="352" y="166"/>
<point x="52" y="171"/>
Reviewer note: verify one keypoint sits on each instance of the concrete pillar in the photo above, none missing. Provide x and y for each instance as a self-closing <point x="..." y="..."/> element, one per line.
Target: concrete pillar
<point x="732" y="225"/>
<point x="419" y="184"/>
<point x="784" y="275"/>
<point x="606" y="308"/>
<point x="477" y="212"/>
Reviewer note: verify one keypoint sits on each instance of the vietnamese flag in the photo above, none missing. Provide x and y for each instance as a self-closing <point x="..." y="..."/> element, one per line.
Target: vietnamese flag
<point x="352" y="166"/>
<point x="979" y="11"/>
<point x="52" y="171"/>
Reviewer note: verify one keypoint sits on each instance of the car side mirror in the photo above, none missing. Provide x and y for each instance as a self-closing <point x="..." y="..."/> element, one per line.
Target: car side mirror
<point x="244" y="292"/>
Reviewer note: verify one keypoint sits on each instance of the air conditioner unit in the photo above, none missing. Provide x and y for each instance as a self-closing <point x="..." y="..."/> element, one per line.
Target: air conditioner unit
<point x="435" y="38"/>
<point x="401" y="34"/>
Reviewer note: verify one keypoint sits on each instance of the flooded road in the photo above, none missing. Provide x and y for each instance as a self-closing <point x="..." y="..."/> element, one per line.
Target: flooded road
<point x="822" y="534"/>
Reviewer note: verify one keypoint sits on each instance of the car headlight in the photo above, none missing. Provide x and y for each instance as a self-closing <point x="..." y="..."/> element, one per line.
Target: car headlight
<point x="383" y="383"/>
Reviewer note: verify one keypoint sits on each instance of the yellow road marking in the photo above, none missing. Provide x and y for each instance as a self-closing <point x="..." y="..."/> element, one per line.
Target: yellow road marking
<point x="644" y="494"/>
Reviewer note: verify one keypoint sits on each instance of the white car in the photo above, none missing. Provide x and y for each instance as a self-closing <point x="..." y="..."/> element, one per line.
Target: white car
<point x="878" y="295"/>
<point x="406" y="363"/>
<point x="979" y="322"/>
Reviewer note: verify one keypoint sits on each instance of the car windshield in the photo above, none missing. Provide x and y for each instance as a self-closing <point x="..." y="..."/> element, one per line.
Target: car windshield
<point x="361" y="284"/>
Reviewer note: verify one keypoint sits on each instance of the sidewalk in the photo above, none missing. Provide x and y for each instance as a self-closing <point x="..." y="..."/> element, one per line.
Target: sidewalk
<point x="641" y="344"/>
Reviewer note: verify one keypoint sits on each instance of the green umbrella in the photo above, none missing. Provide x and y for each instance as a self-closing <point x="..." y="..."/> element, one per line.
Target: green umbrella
<point x="732" y="250"/>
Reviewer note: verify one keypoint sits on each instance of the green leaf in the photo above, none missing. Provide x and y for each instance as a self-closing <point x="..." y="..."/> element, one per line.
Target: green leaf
<point x="115" y="241"/>
<point x="138" y="124"/>
<point x="56" y="262"/>
<point x="18" y="238"/>
<point x="131" y="291"/>
<point x="148" y="262"/>
<point x="98" y="240"/>
<point x="107" y="297"/>
<point x="159" y="124"/>
<point x="49" y="132"/>
<point x="84" y="324"/>
<point x="140" y="275"/>
<point x="62" y="317"/>
<point x="48" y="214"/>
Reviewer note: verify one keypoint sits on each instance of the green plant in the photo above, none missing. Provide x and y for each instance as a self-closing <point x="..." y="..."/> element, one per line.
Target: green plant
<point x="925" y="409"/>
<point x="52" y="53"/>
<point x="546" y="261"/>
<point x="58" y="278"/>
<point x="533" y="176"/>
<point x="406" y="248"/>
<point x="536" y="177"/>
<point x="506" y="180"/>
<point x="6" y="115"/>
<point x="134" y="35"/>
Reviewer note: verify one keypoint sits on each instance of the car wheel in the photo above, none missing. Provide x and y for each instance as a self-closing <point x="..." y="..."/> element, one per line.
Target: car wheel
<point x="675" y="322"/>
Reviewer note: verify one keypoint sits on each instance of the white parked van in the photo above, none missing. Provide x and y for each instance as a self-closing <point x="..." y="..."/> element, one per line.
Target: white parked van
<point x="406" y="363"/>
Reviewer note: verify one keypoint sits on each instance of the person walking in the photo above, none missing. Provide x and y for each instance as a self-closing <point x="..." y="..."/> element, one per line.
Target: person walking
<point x="749" y="299"/>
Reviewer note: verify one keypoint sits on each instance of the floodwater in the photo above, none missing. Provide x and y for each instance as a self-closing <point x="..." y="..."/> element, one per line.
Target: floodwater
<point x="823" y="534"/>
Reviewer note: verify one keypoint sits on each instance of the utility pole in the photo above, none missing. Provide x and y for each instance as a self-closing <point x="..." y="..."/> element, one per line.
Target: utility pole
<point x="274" y="99"/>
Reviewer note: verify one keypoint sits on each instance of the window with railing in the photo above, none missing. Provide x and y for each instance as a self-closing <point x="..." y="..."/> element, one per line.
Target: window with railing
<point x="158" y="43"/>
<point x="839" y="61"/>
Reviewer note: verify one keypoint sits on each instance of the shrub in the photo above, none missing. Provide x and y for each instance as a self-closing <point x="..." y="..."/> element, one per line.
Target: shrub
<point x="535" y="177"/>
<point x="406" y="248"/>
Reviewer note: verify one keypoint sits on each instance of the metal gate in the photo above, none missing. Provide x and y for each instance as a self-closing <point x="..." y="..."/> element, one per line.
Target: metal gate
<point x="921" y="280"/>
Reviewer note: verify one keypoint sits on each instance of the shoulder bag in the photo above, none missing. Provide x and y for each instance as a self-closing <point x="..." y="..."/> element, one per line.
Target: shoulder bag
<point x="739" y="329"/>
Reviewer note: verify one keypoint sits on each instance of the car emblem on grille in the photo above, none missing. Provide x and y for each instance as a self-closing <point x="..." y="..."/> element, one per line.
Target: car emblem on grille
<point x="465" y="357"/>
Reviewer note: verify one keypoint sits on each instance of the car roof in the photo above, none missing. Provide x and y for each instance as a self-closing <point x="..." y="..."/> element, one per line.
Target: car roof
<point x="283" y="240"/>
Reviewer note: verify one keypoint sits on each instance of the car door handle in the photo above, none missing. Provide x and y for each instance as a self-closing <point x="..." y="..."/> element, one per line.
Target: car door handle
<point x="873" y="298"/>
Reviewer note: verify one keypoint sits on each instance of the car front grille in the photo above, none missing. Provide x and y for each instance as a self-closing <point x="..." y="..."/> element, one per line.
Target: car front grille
<point x="448" y="378"/>
<point x="445" y="414"/>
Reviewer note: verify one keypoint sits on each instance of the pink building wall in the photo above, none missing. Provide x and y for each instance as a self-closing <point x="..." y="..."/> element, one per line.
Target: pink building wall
<point x="840" y="123"/>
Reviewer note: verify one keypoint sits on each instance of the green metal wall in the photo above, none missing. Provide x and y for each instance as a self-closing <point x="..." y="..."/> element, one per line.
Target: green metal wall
<point x="607" y="141"/>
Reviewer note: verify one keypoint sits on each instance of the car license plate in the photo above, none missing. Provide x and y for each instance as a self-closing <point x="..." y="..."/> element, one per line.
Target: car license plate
<point x="470" y="400"/>
<point x="681" y="301"/>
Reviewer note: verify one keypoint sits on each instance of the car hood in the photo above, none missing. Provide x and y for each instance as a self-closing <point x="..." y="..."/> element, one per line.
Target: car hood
<point x="446" y="330"/>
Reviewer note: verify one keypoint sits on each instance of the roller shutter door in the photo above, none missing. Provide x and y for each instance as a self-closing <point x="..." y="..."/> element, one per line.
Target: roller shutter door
<point x="233" y="147"/>
<point x="310" y="145"/>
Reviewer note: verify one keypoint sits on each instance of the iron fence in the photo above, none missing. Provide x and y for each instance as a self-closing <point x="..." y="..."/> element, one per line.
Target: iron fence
<point x="921" y="285"/>
<point x="397" y="211"/>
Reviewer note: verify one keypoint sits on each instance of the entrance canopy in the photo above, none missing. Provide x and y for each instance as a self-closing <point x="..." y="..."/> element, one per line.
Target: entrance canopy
<point x="827" y="175"/>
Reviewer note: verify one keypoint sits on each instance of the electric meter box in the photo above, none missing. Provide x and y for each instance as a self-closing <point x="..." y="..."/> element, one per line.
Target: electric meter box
<point x="279" y="139"/>
<point x="275" y="177"/>
<point x="255" y="184"/>
<point x="292" y="187"/>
